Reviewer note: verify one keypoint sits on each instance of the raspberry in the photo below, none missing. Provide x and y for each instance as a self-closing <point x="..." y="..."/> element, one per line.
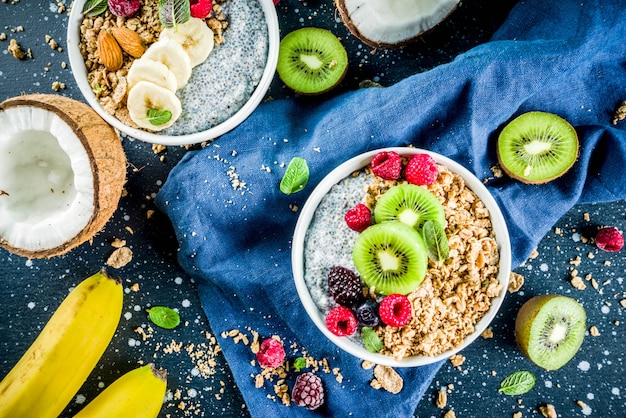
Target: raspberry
<point x="341" y="321"/>
<point x="200" y="8"/>
<point x="395" y="310"/>
<point x="344" y="286"/>
<point x="421" y="170"/>
<point x="387" y="165"/>
<point x="271" y="354"/>
<point x="358" y="218"/>
<point x="367" y="316"/>
<point x="610" y="239"/>
<point x="124" y="8"/>
<point x="308" y="391"/>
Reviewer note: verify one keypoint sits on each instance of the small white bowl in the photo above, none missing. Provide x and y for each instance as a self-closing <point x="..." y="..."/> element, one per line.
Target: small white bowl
<point x="308" y="210"/>
<point x="77" y="64"/>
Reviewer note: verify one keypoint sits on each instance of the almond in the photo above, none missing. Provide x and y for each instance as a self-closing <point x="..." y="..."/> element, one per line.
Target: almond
<point x="109" y="51"/>
<point x="130" y="41"/>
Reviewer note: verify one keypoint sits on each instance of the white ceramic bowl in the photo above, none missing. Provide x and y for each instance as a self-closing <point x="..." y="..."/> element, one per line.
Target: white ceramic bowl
<point x="308" y="210"/>
<point x="80" y="74"/>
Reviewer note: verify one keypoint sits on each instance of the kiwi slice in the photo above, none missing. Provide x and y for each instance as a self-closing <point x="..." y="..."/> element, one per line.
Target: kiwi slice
<point x="549" y="330"/>
<point x="537" y="147"/>
<point x="409" y="204"/>
<point x="311" y="60"/>
<point x="390" y="256"/>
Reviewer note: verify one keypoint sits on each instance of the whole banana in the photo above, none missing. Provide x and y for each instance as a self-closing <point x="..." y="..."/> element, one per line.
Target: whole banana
<point x="137" y="394"/>
<point x="59" y="361"/>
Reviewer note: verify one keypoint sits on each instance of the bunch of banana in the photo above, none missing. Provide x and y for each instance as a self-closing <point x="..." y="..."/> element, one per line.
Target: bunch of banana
<point x="137" y="394"/>
<point x="164" y="68"/>
<point x="59" y="361"/>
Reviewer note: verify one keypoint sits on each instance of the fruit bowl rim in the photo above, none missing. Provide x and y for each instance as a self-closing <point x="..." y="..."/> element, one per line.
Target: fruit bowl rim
<point x="79" y="71"/>
<point x="306" y="215"/>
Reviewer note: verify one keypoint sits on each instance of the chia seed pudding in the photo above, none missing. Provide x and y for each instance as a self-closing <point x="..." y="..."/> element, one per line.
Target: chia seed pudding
<point x="455" y="293"/>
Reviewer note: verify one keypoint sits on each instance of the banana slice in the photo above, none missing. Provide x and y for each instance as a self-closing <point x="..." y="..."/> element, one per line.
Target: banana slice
<point x="145" y="69"/>
<point x="153" y="107"/>
<point x="173" y="56"/>
<point x="194" y="36"/>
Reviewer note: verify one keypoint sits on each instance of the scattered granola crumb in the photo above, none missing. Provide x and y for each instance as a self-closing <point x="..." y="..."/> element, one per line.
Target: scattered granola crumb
<point x="457" y="360"/>
<point x="487" y="334"/>
<point x="578" y="283"/>
<point x="15" y="50"/>
<point x="548" y="411"/>
<point x="120" y="257"/>
<point x="387" y="378"/>
<point x="118" y="243"/>
<point x="516" y="281"/>
<point x="620" y="113"/>
<point x="442" y="399"/>
<point x="158" y="148"/>
<point x="534" y="254"/>
<point x="449" y="414"/>
<point x="585" y="408"/>
<point x="367" y="365"/>
<point x="57" y="85"/>
<point x="517" y="414"/>
<point x="593" y="331"/>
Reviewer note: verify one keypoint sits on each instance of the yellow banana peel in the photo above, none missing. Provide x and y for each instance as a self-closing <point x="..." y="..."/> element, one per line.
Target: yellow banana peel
<point x="61" y="358"/>
<point x="137" y="394"/>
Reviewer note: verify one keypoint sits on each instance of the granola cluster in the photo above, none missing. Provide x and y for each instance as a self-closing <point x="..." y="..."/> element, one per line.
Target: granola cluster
<point x="110" y="87"/>
<point x="457" y="293"/>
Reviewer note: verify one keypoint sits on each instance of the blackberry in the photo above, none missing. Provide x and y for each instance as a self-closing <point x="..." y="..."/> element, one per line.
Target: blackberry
<point x="308" y="391"/>
<point x="367" y="315"/>
<point x="344" y="286"/>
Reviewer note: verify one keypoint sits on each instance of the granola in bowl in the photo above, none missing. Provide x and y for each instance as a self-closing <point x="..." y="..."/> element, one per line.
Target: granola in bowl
<point x="220" y="91"/>
<point x="456" y="298"/>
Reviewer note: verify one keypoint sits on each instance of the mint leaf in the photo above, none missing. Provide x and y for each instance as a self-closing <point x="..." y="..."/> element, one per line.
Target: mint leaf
<point x="174" y="12"/>
<point x="164" y="317"/>
<point x="436" y="240"/>
<point x="296" y="176"/>
<point x="372" y="342"/>
<point x="95" y="7"/>
<point x="299" y="363"/>
<point x="517" y="383"/>
<point x="158" y="117"/>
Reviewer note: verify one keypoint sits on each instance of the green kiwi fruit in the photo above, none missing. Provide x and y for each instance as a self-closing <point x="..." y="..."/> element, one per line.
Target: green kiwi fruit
<point x="537" y="147"/>
<point x="410" y="204"/>
<point x="391" y="257"/>
<point x="549" y="330"/>
<point x="311" y="60"/>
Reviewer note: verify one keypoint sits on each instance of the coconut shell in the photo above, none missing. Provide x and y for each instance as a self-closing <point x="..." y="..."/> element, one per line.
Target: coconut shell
<point x="106" y="156"/>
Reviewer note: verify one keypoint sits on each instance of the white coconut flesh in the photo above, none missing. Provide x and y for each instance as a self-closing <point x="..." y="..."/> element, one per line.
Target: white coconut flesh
<point x="46" y="181"/>
<point x="392" y="23"/>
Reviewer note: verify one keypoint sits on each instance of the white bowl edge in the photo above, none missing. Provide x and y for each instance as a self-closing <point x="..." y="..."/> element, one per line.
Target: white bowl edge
<point x="297" y="259"/>
<point x="77" y="64"/>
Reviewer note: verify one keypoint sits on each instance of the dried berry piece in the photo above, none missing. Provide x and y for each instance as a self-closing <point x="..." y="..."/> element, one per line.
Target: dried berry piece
<point x="124" y="8"/>
<point x="395" y="310"/>
<point x="421" y="170"/>
<point x="341" y="321"/>
<point x="387" y="165"/>
<point x="610" y="239"/>
<point x="344" y="286"/>
<point x="308" y="391"/>
<point x="358" y="218"/>
<point x="271" y="354"/>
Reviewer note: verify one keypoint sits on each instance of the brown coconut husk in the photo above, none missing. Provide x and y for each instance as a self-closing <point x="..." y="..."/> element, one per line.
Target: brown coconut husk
<point x="107" y="159"/>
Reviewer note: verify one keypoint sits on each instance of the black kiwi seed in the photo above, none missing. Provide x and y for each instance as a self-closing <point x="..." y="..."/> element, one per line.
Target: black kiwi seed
<point x="311" y="60"/>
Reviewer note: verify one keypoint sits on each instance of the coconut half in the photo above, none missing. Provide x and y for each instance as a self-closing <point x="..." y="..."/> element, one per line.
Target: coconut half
<point x="391" y="24"/>
<point x="62" y="172"/>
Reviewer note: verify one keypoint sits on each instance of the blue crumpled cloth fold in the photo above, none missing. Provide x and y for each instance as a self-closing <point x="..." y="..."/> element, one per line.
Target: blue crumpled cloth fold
<point x="561" y="57"/>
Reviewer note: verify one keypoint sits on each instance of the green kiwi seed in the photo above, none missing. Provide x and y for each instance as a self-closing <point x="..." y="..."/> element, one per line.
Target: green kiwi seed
<point x="550" y="329"/>
<point x="391" y="257"/>
<point x="311" y="61"/>
<point x="410" y="204"/>
<point x="537" y="147"/>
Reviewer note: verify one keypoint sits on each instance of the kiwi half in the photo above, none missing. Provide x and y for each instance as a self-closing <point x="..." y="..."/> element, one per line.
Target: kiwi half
<point x="391" y="257"/>
<point x="410" y="204"/>
<point x="549" y="330"/>
<point x="311" y="60"/>
<point x="537" y="147"/>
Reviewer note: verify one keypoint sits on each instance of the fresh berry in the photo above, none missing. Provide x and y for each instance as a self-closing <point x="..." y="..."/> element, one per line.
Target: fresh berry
<point x="344" y="286"/>
<point x="341" y="321"/>
<point x="124" y="8"/>
<point x="358" y="218"/>
<point x="387" y="165"/>
<point x="271" y="354"/>
<point x="276" y="2"/>
<point x="200" y="8"/>
<point x="308" y="391"/>
<point x="395" y="310"/>
<point x="367" y="316"/>
<point x="421" y="170"/>
<point x="610" y="239"/>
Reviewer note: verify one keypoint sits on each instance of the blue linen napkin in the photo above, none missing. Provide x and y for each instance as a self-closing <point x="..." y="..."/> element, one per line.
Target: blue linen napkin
<point x="561" y="57"/>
